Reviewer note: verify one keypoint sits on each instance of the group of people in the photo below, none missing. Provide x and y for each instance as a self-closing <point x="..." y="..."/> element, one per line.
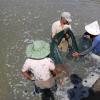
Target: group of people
<point x="41" y="68"/>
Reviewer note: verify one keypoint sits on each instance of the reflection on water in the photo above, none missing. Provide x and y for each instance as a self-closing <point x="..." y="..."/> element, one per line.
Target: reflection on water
<point x="24" y="20"/>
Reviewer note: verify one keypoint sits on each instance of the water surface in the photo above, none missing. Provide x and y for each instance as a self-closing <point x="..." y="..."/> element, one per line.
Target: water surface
<point x="23" y="20"/>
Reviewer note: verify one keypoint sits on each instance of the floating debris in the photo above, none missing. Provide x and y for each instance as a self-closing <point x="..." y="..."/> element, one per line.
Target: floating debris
<point x="29" y="13"/>
<point x="36" y="17"/>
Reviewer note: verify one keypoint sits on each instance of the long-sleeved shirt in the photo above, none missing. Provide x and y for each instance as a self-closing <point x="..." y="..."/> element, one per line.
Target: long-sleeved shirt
<point x="95" y="48"/>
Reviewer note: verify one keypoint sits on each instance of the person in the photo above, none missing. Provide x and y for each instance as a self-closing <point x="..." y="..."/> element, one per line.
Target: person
<point x="63" y="23"/>
<point x="41" y="66"/>
<point x="93" y="33"/>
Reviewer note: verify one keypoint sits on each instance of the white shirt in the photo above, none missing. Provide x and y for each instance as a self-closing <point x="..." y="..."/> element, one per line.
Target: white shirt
<point x="40" y="68"/>
<point x="56" y="27"/>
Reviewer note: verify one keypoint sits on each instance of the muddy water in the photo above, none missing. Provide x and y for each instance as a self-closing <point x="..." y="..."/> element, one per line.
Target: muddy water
<point x="23" y="20"/>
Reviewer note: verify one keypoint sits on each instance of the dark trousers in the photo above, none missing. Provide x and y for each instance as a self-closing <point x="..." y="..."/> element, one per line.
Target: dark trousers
<point x="47" y="93"/>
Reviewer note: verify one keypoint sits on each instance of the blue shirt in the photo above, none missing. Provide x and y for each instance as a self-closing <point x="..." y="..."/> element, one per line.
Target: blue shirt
<point x="95" y="48"/>
<point x="96" y="45"/>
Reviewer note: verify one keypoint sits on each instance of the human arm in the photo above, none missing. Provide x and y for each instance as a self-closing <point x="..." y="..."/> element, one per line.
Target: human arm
<point x="53" y="30"/>
<point x="95" y="43"/>
<point x="25" y="70"/>
<point x="60" y="71"/>
<point x="62" y="68"/>
<point x="27" y="75"/>
<point x="77" y="54"/>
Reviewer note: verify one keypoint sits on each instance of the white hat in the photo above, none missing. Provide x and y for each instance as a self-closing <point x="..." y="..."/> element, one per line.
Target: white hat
<point x="38" y="49"/>
<point x="67" y="16"/>
<point x="93" y="28"/>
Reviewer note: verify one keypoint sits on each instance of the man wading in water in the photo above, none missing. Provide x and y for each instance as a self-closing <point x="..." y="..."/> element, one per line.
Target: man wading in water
<point x="60" y="25"/>
<point x="42" y="67"/>
<point x="93" y="34"/>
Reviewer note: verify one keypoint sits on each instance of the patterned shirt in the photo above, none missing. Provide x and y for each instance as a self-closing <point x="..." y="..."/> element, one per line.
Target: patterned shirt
<point x="40" y="68"/>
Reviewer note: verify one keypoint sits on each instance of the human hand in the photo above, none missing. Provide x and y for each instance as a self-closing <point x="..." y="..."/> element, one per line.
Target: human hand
<point x="75" y="54"/>
<point x="87" y="36"/>
<point x="32" y="79"/>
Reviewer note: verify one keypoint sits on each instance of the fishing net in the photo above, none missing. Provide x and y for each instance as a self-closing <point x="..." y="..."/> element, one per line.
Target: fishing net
<point x="84" y="43"/>
<point x="56" y="55"/>
<point x="72" y="45"/>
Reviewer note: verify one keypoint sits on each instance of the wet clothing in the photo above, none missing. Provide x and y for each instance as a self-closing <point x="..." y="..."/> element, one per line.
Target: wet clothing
<point x="41" y="70"/>
<point x="95" y="48"/>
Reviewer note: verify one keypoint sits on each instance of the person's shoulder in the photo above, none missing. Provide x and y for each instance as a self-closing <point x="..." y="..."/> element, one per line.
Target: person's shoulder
<point x="67" y="26"/>
<point x="56" y="22"/>
<point x="97" y="38"/>
<point x="49" y="60"/>
<point x="29" y="60"/>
